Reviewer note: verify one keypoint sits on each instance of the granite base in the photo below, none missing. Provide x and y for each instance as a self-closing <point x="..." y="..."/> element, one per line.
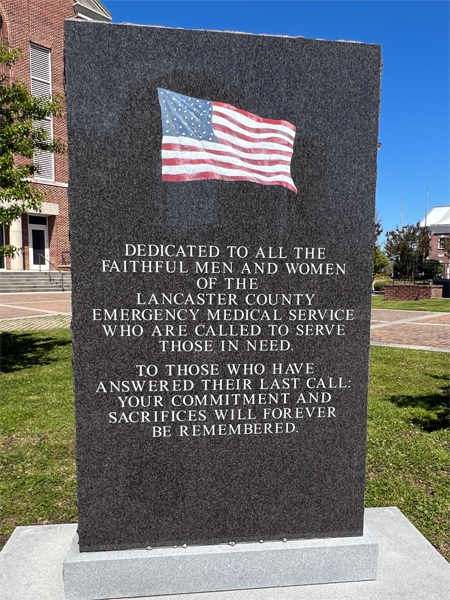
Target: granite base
<point x="409" y="567"/>
<point x="178" y="570"/>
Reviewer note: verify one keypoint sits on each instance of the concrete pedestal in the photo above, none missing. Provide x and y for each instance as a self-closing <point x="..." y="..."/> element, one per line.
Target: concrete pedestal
<point x="163" y="571"/>
<point x="31" y="566"/>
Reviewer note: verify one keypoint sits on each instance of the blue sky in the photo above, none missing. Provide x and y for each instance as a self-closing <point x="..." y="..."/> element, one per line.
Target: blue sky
<point x="414" y="35"/>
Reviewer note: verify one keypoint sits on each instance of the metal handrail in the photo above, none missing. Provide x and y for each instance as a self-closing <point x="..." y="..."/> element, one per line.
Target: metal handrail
<point x="50" y="264"/>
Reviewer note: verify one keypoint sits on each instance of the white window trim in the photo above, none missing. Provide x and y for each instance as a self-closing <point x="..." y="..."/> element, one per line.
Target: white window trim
<point x="48" y="51"/>
<point x="441" y="237"/>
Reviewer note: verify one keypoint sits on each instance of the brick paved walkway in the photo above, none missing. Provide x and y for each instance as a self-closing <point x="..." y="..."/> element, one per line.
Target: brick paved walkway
<point x="410" y="329"/>
<point x="397" y="328"/>
<point x="36" y="323"/>
<point x="45" y="310"/>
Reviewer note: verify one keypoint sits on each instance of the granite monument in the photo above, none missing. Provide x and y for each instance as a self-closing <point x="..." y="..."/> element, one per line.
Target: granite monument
<point x="222" y="190"/>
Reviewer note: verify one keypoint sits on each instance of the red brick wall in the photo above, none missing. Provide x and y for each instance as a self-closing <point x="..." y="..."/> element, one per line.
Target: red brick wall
<point x="435" y="252"/>
<point x="438" y="254"/>
<point x="41" y="22"/>
<point x="412" y="292"/>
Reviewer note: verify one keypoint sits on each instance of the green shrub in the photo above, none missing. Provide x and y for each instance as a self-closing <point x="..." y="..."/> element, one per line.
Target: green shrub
<point x="379" y="285"/>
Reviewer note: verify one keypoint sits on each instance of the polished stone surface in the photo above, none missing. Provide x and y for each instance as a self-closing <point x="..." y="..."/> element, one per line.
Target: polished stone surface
<point x="303" y="477"/>
<point x="409" y="567"/>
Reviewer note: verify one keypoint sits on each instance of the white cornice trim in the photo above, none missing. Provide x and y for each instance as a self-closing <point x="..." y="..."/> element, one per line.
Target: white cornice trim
<point x="46" y="182"/>
<point x="84" y="12"/>
<point x="437" y="229"/>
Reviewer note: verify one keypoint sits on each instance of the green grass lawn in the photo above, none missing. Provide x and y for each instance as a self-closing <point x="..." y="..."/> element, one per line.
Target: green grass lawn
<point x="408" y="456"/>
<point x="408" y="446"/>
<point x="433" y="305"/>
<point x="38" y="481"/>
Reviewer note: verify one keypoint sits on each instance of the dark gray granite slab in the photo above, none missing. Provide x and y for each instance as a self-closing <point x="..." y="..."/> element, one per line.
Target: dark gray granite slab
<point x="166" y="468"/>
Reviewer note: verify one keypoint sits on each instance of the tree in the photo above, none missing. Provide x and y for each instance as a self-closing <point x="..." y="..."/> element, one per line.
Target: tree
<point x="21" y="136"/>
<point x="408" y="248"/>
<point x="380" y="260"/>
<point x="378" y="230"/>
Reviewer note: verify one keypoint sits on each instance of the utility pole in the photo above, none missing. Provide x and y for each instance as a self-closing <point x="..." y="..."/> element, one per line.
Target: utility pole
<point x="401" y="216"/>
<point x="426" y="208"/>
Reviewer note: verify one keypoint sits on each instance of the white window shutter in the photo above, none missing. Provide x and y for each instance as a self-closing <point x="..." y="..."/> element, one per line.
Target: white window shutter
<point x="41" y="86"/>
<point x="40" y="89"/>
<point x="43" y="159"/>
<point x="40" y="63"/>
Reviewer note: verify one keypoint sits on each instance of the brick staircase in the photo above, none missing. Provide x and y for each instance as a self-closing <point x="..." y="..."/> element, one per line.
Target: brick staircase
<point x="14" y="282"/>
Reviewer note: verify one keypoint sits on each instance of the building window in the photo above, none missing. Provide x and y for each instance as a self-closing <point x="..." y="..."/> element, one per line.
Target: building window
<point x="41" y="86"/>
<point x="32" y="220"/>
<point x="441" y="242"/>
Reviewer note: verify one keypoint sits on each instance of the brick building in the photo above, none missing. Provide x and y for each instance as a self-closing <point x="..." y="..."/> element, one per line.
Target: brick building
<point x="438" y="221"/>
<point x="37" y="27"/>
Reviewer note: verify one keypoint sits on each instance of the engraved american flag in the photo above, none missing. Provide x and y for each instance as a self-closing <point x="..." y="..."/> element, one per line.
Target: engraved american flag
<point x="213" y="140"/>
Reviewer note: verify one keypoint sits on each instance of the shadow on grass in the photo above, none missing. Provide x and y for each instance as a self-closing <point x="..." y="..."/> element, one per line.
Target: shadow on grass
<point x="435" y="412"/>
<point x="23" y="350"/>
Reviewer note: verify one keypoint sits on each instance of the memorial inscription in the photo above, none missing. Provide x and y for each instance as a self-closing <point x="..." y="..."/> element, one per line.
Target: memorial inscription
<point x="222" y="206"/>
<point x="223" y="398"/>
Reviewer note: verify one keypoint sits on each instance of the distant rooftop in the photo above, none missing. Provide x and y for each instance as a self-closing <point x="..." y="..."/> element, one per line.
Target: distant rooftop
<point x="438" y="216"/>
<point x="91" y="10"/>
